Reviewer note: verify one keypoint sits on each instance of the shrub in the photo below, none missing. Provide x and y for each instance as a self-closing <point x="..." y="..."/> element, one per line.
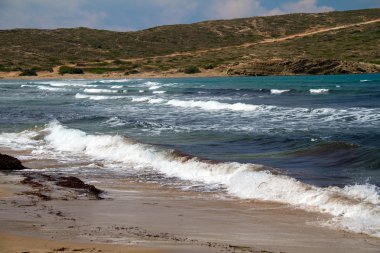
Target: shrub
<point x="70" y="70"/>
<point x="131" y="72"/>
<point x="192" y="70"/>
<point x="28" y="72"/>
<point x="118" y="62"/>
<point x="209" y="66"/>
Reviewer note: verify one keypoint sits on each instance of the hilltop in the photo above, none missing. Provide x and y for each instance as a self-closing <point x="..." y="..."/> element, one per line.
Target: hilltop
<point x="324" y="43"/>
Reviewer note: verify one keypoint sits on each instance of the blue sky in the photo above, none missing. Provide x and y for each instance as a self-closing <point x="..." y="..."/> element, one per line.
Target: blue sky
<point x="125" y="15"/>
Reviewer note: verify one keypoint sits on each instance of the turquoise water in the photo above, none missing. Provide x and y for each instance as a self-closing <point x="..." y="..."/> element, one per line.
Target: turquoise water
<point x="329" y="136"/>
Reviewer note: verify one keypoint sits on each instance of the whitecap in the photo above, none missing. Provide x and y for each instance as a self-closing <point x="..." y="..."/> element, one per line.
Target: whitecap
<point x="319" y="91"/>
<point x="99" y="91"/>
<point x="276" y="91"/>
<point x="159" y="92"/>
<point x="96" y="97"/>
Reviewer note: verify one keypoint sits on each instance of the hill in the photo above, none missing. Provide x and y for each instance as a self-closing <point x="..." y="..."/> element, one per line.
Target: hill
<point x="325" y="43"/>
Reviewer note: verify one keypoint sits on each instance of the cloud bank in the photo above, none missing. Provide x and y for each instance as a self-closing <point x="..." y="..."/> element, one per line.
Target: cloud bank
<point x="132" y="14"/>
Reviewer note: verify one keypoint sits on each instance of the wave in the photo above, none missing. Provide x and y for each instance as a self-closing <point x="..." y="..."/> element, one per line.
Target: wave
<point x="155" y="87"/>
<point x="115" y="122"/>
<point x="159" y="92"/>
<point x="275" y="91"/>
<point x="99" y="91"/>
<point x="96" y="97"/>
<point x="50" y="88"/>
<point x="115" y="81"/>
<point x="117" y="86"/>
<point x="353" y="208"/>
<point x="73" y="83"/>
<point x="215" y="105"/>
<point x="319" y="91"/>
<point x="365" y="81"/>
<point x="150" y="100"/>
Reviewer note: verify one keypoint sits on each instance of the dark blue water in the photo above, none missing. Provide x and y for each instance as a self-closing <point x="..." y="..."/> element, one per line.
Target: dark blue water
<point x="323" y="130"/>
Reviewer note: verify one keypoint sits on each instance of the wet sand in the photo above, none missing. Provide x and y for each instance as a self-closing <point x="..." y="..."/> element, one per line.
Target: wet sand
<point x="152" y="216"/>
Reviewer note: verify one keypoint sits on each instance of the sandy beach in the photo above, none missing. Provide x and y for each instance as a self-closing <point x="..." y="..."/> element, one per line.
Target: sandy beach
<point x="141" y="217"/>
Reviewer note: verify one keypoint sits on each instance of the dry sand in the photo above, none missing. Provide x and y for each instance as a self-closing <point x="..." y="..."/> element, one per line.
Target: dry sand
<point x="112" y="75"/>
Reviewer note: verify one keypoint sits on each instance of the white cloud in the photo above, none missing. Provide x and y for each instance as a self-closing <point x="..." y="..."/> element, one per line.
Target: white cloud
<point x="304" y="6"/>
<point x="227" y="9"/>
<point x="175" y="11"/>
<point x="48" y="14"/>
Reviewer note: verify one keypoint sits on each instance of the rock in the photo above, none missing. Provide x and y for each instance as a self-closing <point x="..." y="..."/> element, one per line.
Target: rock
<point x="76" y="183"/>
<point x="9" y="163"/>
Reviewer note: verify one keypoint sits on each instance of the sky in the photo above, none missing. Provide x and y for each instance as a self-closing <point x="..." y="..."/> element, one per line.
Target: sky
<point x="129" y="15"/>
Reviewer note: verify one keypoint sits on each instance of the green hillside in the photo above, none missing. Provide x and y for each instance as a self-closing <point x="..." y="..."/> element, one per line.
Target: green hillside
<point x="95" y="51"/>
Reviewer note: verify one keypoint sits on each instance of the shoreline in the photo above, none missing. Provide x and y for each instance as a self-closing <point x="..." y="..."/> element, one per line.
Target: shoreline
<point x="145" y="75"/>
<point x="112" y="75"/>
<point x="152" y="216"/>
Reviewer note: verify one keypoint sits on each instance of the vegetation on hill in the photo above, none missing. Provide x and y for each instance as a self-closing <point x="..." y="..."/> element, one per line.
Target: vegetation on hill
<point x="164" y="48"/>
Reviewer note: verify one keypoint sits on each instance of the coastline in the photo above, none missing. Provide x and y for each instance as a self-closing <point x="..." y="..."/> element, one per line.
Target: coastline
<point x="112" y="75"/>
<point x="136" y="216"/>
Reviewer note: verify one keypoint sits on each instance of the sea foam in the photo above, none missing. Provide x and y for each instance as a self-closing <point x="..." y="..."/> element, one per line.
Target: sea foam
<point x="276" y="91"/>
<point x="214" y="105"/>
<point x="99" y="91"/>
<point x="319" y="91"/>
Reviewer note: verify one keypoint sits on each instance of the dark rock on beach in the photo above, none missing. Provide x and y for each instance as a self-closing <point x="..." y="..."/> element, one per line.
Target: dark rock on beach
<point x="76" y="183"/>
<point x="9" y="163"/>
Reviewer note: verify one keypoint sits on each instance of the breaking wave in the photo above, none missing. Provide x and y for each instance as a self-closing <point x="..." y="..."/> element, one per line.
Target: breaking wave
<point x="96" y="97"/>
<point x="99" y="91"/>
<point x="353" y="208"/>
<point x="276" y="91"/>
<point x="319" y="91"/>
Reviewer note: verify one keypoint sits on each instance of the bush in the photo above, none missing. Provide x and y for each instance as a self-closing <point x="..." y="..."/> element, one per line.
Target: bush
<point x="209" y="66"/>
<point x="131" y="72"/>
<point x="28" y="72"/>
<point x="192" y="70"/>
<point x="70" y="70"/>
<point x="118" y="62"/>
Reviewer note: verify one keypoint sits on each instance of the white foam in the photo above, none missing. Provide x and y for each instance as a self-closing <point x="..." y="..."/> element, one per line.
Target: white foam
<point x="154" y="87"/>
<point x="117" y="86"/>
<point x="115" y="81"/>
<point x="72" y="83"/>
<point x="28" y="85"/>
<point x="275" y="91"/>
<point x="99" y="91"/>
<point x="115" y="122"/>
<point x="47" y="88"/>
<point x="365" y="80"/>
<point x="141" y="91"/>
<point x="155" y="101"/>
<point x="159" y="92"/>
<point x="319" y="91"/>
<point x="140" y="99"/>
<point x="96" y="97"/>
<point x="215" y="105"/>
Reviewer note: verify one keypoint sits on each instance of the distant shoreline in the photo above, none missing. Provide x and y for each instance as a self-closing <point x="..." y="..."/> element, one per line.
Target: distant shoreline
<point x="145" y="75"/>
<point x="112" y="75"/>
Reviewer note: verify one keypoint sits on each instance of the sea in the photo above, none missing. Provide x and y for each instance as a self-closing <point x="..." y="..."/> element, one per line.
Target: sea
<point x="309" y="142"/>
